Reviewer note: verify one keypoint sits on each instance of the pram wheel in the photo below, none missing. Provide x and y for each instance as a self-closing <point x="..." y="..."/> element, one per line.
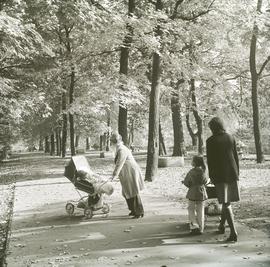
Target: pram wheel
<point x="88" y="213"/>
<point x="106" y="208"/>
<point x="70" y="208"/>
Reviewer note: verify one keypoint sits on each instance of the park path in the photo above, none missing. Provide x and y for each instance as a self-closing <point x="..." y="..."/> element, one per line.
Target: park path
<point x="42" y="234"/>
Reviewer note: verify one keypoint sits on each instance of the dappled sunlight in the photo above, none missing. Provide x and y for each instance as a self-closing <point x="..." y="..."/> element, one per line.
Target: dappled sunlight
<point x="89" y="236"/>
<point x="44" y="234"/>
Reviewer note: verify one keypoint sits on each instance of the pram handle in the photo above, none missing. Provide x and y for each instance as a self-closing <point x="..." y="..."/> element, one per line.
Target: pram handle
<point x="105" y="182"/>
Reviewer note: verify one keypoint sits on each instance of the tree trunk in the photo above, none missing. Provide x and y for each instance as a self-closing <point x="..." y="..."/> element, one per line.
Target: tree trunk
<point x="77" y="139"/>
<point x="162" y="148"/>
<point x="104" y="139"/>
<point x="108" y="141"/>
<point x="64" y="126"/>
<point x="5" y="153"/>
<point x="254" y="90"/>
<point x="153" y="131"/>
<point x="47" y="144"/>
<point x="131" y="134"/>
<point x="58" y="142"/>
<point x="40" y="145"/>
<point x="101" y="142"/>
<point x="193" y="135"/>
<point x="178" y="132"/>
<point x="108" y="131"/>
<point x="71" y="116"/>
<point x="52" y="152"/>
<point x="122" y="123"/>
<point x="197" y="117"/>
<point x="87" y="143"/>
<point x="124" y="57"/>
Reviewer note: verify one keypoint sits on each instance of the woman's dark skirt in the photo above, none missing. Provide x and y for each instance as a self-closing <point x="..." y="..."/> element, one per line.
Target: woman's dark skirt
<point x="228" y="192"/>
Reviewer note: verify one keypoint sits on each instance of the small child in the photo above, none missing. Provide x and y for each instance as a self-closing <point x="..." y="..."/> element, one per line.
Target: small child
<point x="196" y="180"/>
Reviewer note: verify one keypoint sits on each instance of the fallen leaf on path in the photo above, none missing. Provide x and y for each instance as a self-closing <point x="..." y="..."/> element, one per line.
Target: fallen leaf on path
<point x="19" y="245"/>
<point x="103" y="258"/>
<point x="59" y="259"/>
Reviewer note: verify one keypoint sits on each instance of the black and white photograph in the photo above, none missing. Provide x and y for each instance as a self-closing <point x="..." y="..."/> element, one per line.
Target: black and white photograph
<point x="134" y="133"/>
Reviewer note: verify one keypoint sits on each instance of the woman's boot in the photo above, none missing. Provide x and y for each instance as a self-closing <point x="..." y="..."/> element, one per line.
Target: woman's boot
<point x="230" y="220"/>
<point x="221" y="227"/>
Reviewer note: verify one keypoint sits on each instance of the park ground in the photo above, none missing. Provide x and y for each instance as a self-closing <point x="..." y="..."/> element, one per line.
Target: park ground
<point x="36" y="231"/>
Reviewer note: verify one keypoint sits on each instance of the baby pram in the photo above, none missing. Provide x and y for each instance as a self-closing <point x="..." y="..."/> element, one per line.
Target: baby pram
<point x="212" y="207"/>
<point x="84" y="179"/>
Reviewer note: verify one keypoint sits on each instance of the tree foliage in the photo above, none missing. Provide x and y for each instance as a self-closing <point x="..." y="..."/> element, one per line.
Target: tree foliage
<point x="42" y="42"/>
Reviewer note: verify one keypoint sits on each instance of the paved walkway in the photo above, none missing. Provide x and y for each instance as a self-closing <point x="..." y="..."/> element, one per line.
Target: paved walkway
<point x="43" y="234"/>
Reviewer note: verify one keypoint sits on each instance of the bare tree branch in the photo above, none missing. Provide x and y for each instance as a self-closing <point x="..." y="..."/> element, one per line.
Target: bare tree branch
<point x="177" y="4"/>
<point x="67" y="41"/>
<point x="104" y="52"/>
<point x="240" y="75"/>
<point x="152" y="2"/>
<point x="264" y="65"/>
<point x="194" y="17"/>
<point x="98" y="5"/>
<point x="265" y="76"/>
<point x="21" y="66"/>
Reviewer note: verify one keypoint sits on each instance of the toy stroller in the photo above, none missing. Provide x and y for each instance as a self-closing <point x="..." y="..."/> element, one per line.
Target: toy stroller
<point x="79" y="173"/>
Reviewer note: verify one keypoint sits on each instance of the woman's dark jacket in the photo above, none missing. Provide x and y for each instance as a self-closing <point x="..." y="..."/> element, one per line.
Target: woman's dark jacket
<point x="222" y="158"/>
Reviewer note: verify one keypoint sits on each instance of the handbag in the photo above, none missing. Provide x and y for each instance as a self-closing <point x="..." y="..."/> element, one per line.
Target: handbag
<point x="211" y="191"/>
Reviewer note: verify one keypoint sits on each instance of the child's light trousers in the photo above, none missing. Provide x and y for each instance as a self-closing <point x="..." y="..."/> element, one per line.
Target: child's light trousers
<point x="196" y="214"/>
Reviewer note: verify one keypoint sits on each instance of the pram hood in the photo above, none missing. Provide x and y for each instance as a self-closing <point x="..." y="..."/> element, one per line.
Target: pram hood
<point x="79" y="164"/>
<point x="75" y="164"/>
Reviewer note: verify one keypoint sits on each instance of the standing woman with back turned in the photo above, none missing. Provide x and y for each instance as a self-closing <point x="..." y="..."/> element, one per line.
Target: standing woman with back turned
<point x="223" y="166"/>
<point x="129" y="173"/>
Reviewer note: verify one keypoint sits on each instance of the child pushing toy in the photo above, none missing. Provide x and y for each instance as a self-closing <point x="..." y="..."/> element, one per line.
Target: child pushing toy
<point x="196" y="180"/>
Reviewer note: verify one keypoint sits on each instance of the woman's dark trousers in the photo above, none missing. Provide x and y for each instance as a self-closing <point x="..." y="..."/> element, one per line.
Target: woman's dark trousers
<point x="135" y="205"/>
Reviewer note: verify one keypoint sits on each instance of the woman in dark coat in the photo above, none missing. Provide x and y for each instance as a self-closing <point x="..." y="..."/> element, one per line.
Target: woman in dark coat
<point x="223" y="166"/>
